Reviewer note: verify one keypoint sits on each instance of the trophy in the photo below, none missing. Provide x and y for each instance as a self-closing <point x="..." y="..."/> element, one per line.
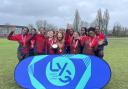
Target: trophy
<point x="54" y="47"/>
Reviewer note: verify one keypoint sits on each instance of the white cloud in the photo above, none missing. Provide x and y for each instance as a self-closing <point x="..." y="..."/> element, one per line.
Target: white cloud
<point x="60" y="12"/>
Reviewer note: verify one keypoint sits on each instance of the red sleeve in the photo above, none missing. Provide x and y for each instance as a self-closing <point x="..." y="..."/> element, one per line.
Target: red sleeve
<point x="101" y="36"/>
<point x="86" y="38"/>
<point x="95" y="45"/>
<point x="30" y="37"/>
<point x="94" y="42"/>
<point x="46" y="46"/>
<point x="81" y="40"/>
<point x="66" y="37"/>
<point x="13" y="37"/>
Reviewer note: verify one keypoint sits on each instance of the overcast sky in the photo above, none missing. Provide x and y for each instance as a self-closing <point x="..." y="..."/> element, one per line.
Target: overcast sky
<point x="60" y="12"/>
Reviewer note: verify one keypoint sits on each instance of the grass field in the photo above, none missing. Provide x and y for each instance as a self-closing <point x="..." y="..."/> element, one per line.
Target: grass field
<point x="116" y="54"/>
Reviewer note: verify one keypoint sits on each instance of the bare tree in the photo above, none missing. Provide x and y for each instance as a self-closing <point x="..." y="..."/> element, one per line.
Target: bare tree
<point x="102" y="20"/>
<point x="39" y="23"/>
<point x="30" y="26"/>
<point x="94" y="23"/>
<point x="84" y="24"/>
<point x="50" y="27"/>
<point x="105" y="21"/>
<point x="77" y="20"/>
<point x="99" y="19"/>
<point x="120" y="31"/>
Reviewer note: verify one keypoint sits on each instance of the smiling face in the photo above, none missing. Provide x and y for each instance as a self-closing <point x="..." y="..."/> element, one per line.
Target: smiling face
<point x="97" y="30"/>
<point x="76" y="35"/>
<point x="91" y="33"/>
<point x="71" y="31"/>
<point x="33" y="31"/>
<point x="50" y="34"/>
<point x="60" y="36"/>
<point x="24" y="31"/>
<point x="83" y="32"/>
<point x="42" y="31"/>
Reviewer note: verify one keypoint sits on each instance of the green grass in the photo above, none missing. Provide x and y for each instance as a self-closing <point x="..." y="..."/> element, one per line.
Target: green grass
<point x="116" y="54"/>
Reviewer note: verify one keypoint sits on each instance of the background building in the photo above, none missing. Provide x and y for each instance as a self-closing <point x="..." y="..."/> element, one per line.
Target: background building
<point x="6" y="29"/>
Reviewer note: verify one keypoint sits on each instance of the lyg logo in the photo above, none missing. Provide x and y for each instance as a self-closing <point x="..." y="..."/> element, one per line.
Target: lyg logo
<point x="62" y="72"/>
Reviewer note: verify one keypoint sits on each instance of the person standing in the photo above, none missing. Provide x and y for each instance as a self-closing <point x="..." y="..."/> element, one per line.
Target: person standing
<point x="91" y="42"/>
<point x="102" y="41"/>
<point x="32" y="42"/>
<point x="83" y="36"/>
<point x="23" y="40"/>
<point x="51" y="45"/>
<point x="68" y="38"/>
<point x="40" y="42"/>
<point x="75" y="46"/>
<point x="60" y="43"/>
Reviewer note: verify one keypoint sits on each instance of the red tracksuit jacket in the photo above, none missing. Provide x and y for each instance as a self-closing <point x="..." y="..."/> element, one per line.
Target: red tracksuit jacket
<point x="75" y="46"/>
<point x="68" y="38"/>
<point x="61" y="50"/>
<point x="90" y="45"/>
<point x="100" y="37"/>
<point x="49" y="43"/>
<point x="82" y="40"/>
<point x="22" y="40"/>
<point x="40" y="43"/>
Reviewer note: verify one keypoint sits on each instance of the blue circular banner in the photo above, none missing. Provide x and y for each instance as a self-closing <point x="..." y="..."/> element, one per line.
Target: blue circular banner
<point x="62" y="72"/>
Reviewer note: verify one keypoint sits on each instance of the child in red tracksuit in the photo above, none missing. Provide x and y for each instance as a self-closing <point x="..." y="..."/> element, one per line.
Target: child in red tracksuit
<point x="32" y="42"/>
<point x="75" y="46"/>
<point x="83" y="36"/>
<point x="102" y="41"/>
<point x="68" y="38"/>
<point x="91" y="42"/>
<point x="60" y="43"/>
<point x="40" y="42"/>
<point x="23" y="39"/>
<point x="50" y="42"/>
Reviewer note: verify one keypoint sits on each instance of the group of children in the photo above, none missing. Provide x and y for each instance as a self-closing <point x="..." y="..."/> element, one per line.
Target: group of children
<point x="89" y="41"/>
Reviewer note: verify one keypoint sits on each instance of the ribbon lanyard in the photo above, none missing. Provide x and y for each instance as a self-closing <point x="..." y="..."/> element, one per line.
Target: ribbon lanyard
<point x="91" y="42"/>
<point x="76" y="43"/>
<point x="50" y="42"/>
<point x="24" y="40"/>
<point x="32" y="43"/>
